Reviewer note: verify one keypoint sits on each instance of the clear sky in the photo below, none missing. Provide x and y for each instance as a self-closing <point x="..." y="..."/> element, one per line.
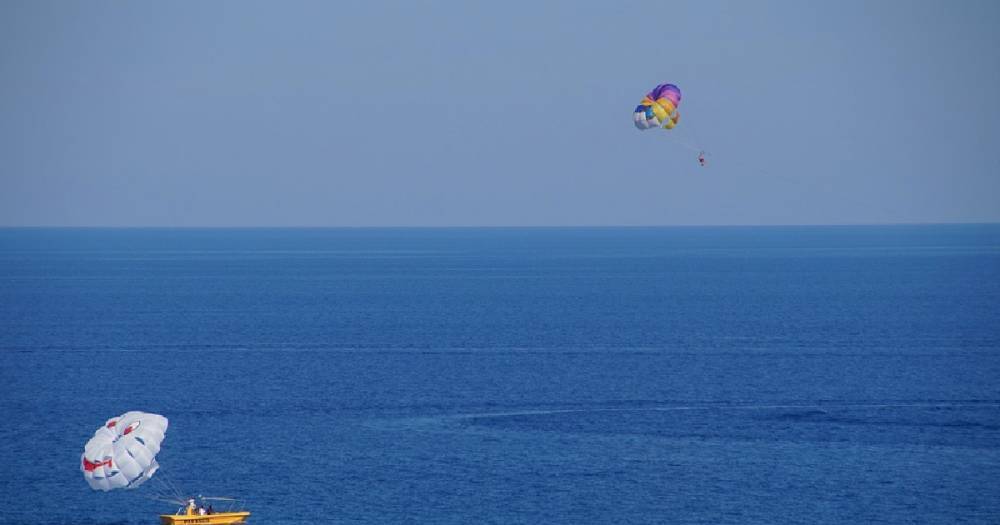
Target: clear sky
<point x="471" y="113"/>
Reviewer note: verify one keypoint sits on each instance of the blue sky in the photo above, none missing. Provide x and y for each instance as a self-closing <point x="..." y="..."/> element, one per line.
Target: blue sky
<point x="496" y="113"/>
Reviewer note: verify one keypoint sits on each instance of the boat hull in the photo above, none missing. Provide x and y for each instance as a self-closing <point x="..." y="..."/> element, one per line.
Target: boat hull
<point x="220" y="518"/>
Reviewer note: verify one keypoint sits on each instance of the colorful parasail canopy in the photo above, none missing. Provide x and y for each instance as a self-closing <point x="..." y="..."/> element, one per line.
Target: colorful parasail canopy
<point x="122" y="453"/>
<point x="659" y="108"/>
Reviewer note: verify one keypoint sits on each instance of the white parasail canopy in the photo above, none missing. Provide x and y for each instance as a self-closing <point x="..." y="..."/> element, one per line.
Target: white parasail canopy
<point x="122" y="453"/>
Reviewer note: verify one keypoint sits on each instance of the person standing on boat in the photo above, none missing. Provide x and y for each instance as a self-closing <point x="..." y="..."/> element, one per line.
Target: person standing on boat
<point x="190" y="507"/>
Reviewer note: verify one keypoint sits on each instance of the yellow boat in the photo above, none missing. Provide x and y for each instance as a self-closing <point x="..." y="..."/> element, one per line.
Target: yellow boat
<point x="191" y="514"/>
<point x="218" y="518"/>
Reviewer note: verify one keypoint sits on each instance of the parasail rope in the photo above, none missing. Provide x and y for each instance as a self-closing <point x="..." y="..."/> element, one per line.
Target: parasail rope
<point x="165" y="490"/>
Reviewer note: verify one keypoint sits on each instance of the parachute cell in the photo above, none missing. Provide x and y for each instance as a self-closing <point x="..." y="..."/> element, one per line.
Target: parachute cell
<point x="658" y="108"/>
<point x="122" y="453"/>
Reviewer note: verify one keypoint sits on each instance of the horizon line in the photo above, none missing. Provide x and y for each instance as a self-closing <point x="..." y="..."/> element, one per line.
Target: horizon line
<point x="488" y="226"/>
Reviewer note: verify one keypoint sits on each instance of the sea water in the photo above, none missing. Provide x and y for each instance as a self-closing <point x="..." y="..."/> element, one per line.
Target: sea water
<point x="577" y="375"/>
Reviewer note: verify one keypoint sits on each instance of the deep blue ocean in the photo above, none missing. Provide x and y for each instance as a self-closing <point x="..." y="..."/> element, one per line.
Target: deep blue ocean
<point x="738" y="375"/>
